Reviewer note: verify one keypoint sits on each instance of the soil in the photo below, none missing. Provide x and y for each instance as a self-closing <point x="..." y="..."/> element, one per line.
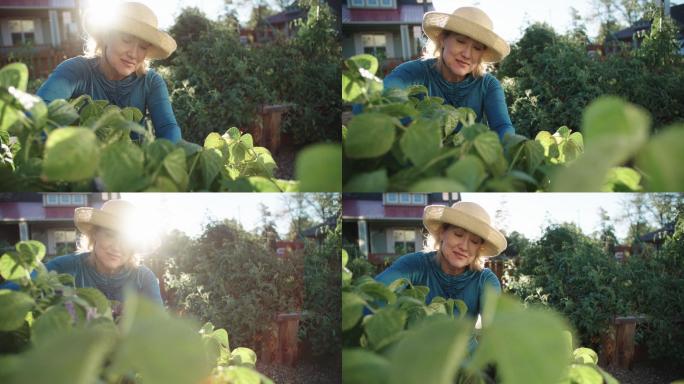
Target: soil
<point x="308" y="372"/>
<point x="648" y="372"/>
<point x="285" y="158"/>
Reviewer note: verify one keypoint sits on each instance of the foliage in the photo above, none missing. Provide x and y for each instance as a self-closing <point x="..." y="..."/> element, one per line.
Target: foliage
<point x="572" y="274"/>
<point x="320" y="327"/>
<point x="391" y="335"/>
<point x="82" y="145"/>
<point x="403" y="140"/>
<point x="360" y="266"/>
<point x="311" y="84"/>
<point x="216" y="80"/>
<point x="653" y="283"/>
<point x="72" y="334"/>
<point x="230" y="277"/>
<point x="549" y="79"/>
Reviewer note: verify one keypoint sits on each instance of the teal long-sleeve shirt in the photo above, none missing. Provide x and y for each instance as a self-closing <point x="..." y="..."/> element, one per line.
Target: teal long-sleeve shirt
<point x="422" y="268"/>
<point x="140" y="278"/>
<point x="80" y="75"/>
<point x="484" y="95"/>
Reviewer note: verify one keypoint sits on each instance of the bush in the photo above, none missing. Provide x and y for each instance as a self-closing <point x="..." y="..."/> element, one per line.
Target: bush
<point x="230" y="277"/>
<point x="569" y="272"/>
<point x="359" y="266"/>
<point x="320" y="327"/>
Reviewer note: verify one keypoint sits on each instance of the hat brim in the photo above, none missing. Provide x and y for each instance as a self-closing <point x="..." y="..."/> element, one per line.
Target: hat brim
<point x="435" y="22"/>
<point x="436" y="215"/>
<point x="163" y="45"/>
<point x="86" y="218"/>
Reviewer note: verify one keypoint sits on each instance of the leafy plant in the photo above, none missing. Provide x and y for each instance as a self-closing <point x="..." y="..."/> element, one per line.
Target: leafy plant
<point x="73" y="335"/>
<point x="83" y="145"/>
<point x="404" y="140"/>
<point x="391" y="335"/>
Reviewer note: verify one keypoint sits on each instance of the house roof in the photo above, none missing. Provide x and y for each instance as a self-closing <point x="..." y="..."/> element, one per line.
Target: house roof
<point x="659" y="235"/>
<point x="286" y="16"/>
<point x="33" y="211"/>
<point x="676" y="13"/>
<point x="38" y="4"/>
<point x="404" y="14"/>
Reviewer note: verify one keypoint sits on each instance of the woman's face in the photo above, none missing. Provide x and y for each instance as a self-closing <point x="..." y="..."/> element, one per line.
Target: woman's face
<point x="459" y="248"/>
<point x="461" y="55"/>
<point x="124" y="53"/>
<point x="110" y="249"/>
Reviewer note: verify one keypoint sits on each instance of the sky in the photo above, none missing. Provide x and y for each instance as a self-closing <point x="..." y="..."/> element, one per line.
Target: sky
<point x="529" y="213"/>
<point x="188" y="212"/>
<point x="510" y="18"/>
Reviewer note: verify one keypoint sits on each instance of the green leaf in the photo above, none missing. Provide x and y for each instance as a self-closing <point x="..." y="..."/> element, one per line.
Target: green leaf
<point x="54" y="321"/>
<point x="74" y="357"/>
<point x="421" y="141"/>
<point x="216" y="141"/>
<point x="247" y="140"/>
<point x="375" y="181"/>
<point x="352" y="309"/>
<point x="622" y="179"/>
<point x="71" y="154"/>
<point x="122" y="167"/>
<point x="244" y="357"/>
<point x="415" y="361"/>
<point x="584" y="374"/>
<point x="132" y="114"/>
<point x="369" y="135"/>
<point x="10" y="270"/>
<point x="437" y="184"/>
<point x="30" y="251"/>
<point x="360" y="366"/>
<point x="15" y="306"/>
<point x="488" y="147"/>
<point x="378" y="291"/>
<point x="62" y="113"/>
<point x="14" y="75"/>
<point x="531" y="155"/>
<point x="211" y="162"/>
<point x="319" y="168"/>
<point x="514" y="336"/>
<point x="384" y="327"/>
<point x="232" y="133"/>
<point x="175" y="165"/>
<point x="661" y="160"/>
<point x="95" y="298"/>
<point x="468" y="171"/>
<point x="150" y="345"/>
<point x="585" y="356"/>
<point x="365" y="61"/>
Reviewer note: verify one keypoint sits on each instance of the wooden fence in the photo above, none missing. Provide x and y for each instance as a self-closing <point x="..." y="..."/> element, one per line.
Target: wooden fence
<point x="41" y="60"/>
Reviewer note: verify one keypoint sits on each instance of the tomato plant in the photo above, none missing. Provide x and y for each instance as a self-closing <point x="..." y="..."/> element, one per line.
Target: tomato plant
<point x="391" y="335"/>
<point x="75" y="338"/>
<point x="82" y="144"/>
<point x="405" y="140"/>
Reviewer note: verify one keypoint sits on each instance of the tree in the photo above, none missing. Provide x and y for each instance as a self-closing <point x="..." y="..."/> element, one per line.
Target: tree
<point x="606" y="235"/>
<point x="637" y="214"/>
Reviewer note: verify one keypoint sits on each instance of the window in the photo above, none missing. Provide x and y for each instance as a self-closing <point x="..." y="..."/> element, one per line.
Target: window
<point x="404" y="198"/>
<point x="65" y="242"/>
<point x="375" y="45"/>
<point x="372" y="3"/>
<point x="22" y="31"/>
<point x="65" y="199"/>
<point x="404" y="241"/>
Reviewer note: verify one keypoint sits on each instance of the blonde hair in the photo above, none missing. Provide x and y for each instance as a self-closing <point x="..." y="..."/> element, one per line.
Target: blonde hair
<point x="433" y="50"/>
<point x="86" y="244"/>
<point x="432" y="243"/>
<point x="95" y="47"/>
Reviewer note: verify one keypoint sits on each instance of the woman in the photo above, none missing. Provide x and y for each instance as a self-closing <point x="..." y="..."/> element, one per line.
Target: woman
<point x="459" y="49"/>
<point x="107" y="259"/>
<point x="115" y="66"/>
<point x="459" y="236"/>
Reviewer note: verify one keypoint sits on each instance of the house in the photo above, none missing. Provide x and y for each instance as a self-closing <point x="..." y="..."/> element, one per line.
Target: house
<point x="46" y="217"/>
<point x="380" y="225"/>
<point x="388" y="29"/>
<point x="633" y="35"/>
<point x="283" y="25"/>
<point x="41" y="33"/>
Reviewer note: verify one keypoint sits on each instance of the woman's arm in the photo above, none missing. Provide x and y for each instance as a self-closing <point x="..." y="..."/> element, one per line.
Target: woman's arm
<point x="490" y="281"/>
<point x="150" y="286"/>
<point x="497" y="110"/>
<point x="63" y="81"/>
<point x="404" y="267"/>
<point x="161" y="112"/>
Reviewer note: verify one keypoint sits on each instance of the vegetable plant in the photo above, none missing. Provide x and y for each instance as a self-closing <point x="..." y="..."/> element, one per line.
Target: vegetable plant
<point x="406" y="140"/>
<point x="391" y="335"/>
<point x="76" y="335"/>
<point x="81" y="145"/>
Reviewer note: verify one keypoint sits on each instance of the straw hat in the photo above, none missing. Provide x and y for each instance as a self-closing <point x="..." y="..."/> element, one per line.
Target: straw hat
<point x="113" y="215"/>
<point x="138" y="20"/>
<point x="472" y="22"/>
<point x="469" y="216"/>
